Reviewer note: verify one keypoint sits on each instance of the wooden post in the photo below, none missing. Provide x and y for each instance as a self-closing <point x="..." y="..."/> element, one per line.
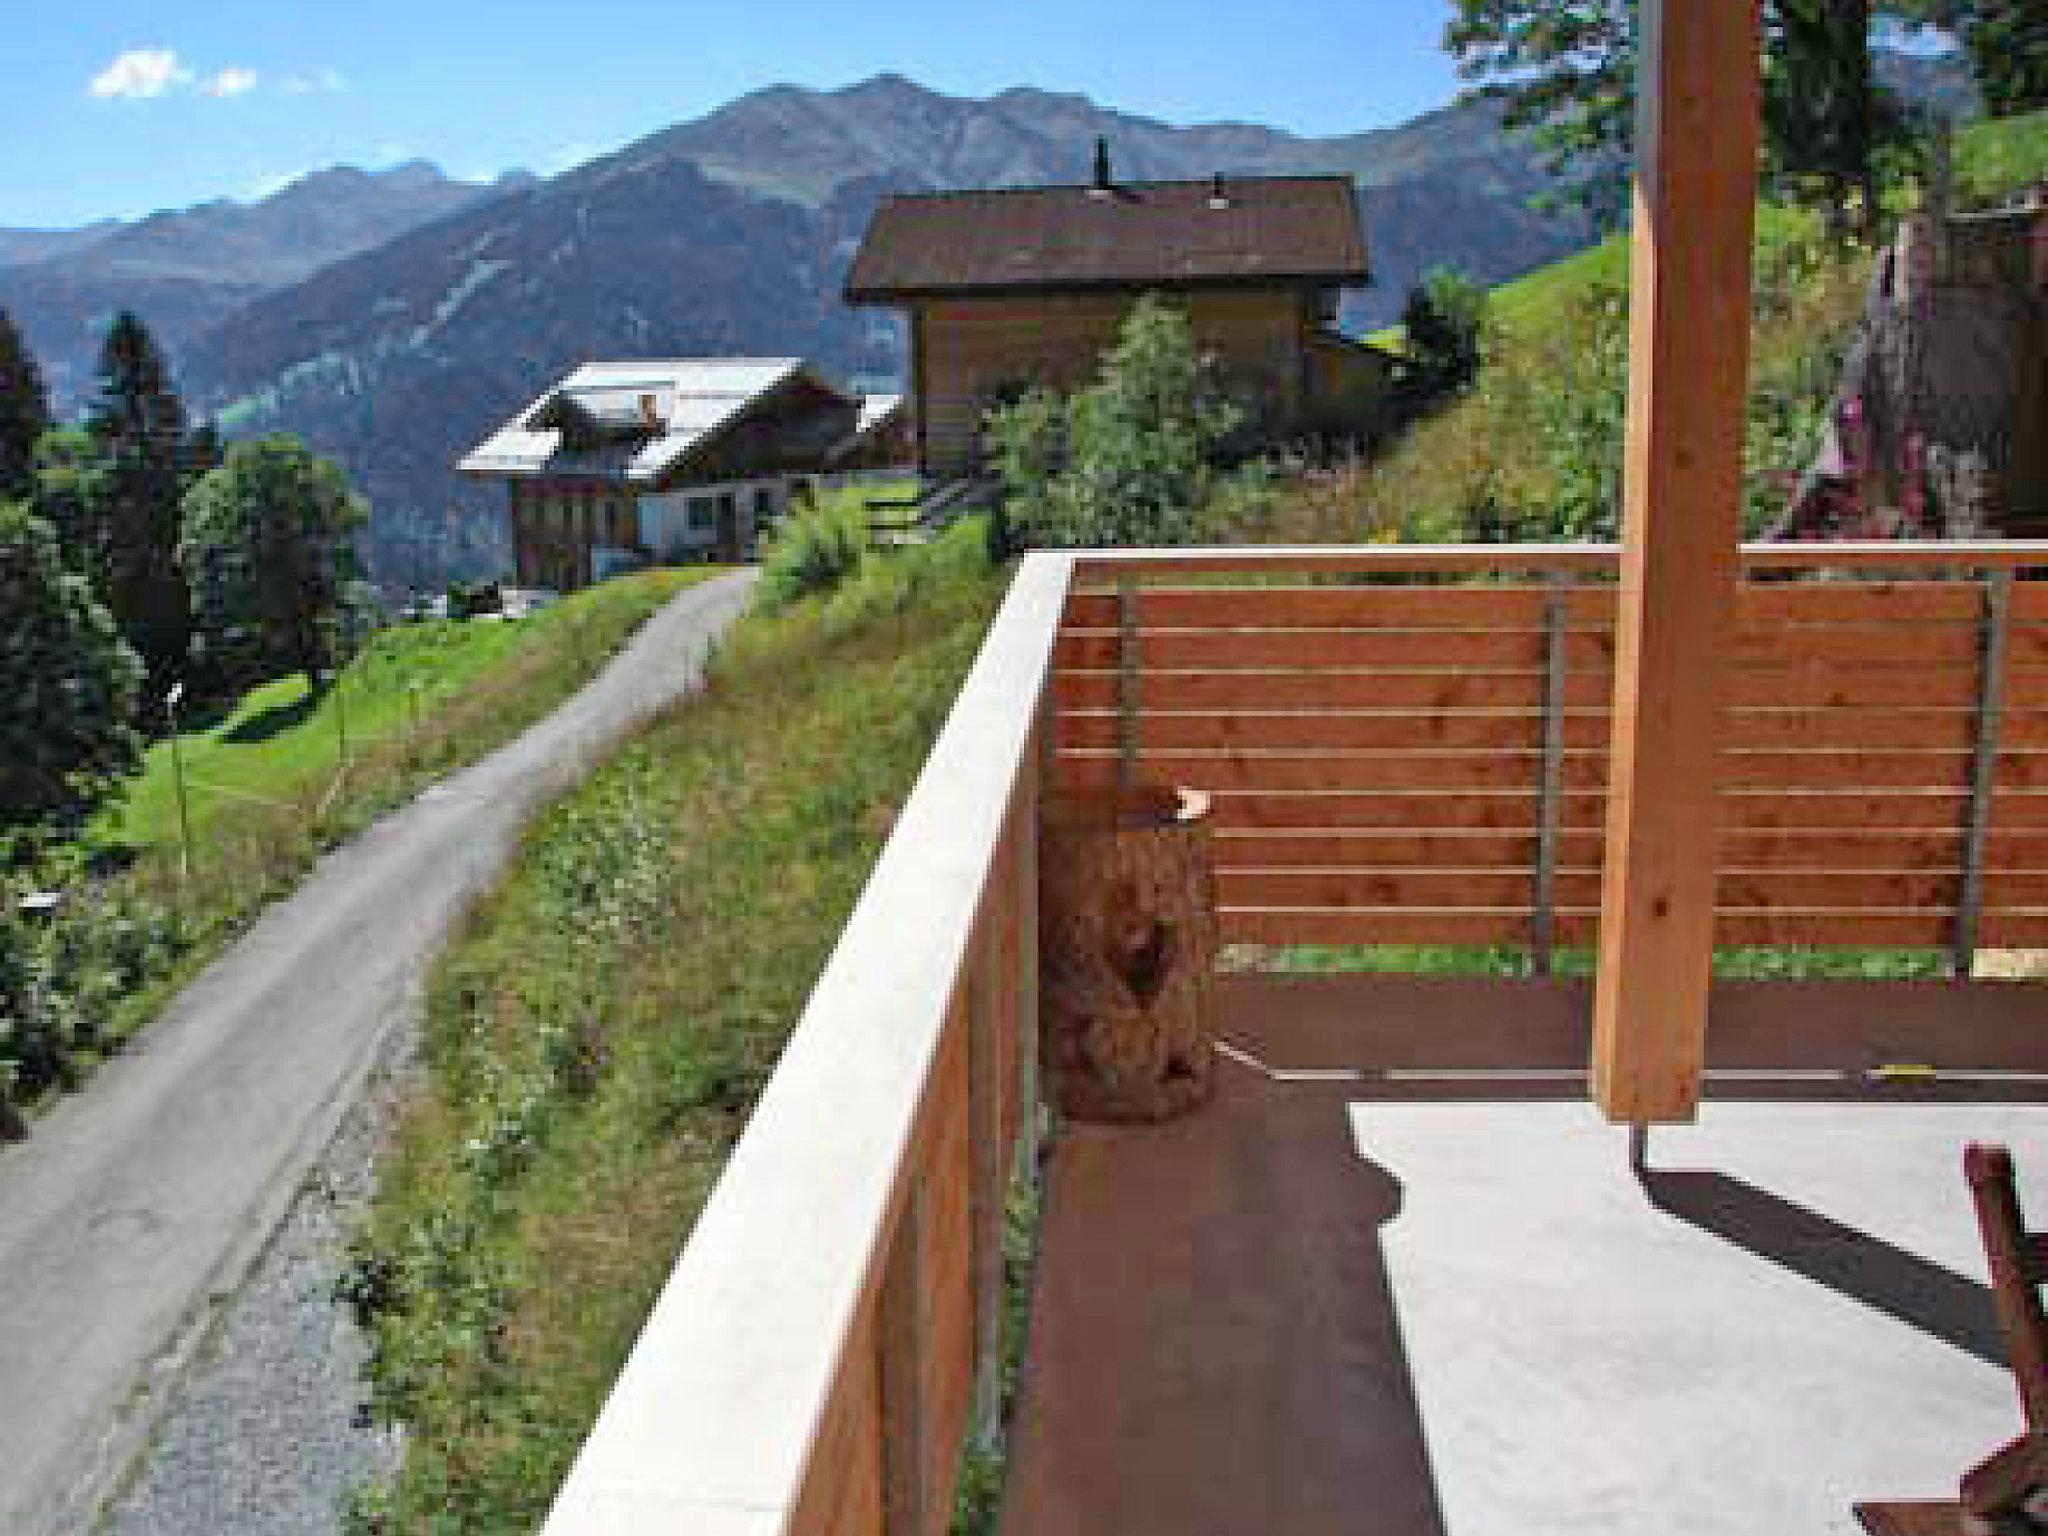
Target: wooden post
<point x="901" y="1341"/>
<point x="1695" y="196"/>
<point x="987" y="1157"/>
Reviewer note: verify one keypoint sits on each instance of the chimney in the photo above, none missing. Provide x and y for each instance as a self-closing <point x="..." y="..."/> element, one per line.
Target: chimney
<point x="1102" y="186"/>
<point x="1218" y="198"/>
<point x="650" y="418"/>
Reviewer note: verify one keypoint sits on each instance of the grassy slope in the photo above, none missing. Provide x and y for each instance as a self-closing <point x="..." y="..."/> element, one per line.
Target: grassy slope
<point x="598" y="1034"/>
<point x="266" y="797"/>
<point x="457" y="687"/>
<point x="1533" y="450"/>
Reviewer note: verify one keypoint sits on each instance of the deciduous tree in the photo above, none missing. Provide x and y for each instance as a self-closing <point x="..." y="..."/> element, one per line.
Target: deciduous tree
<point x="1566" y="72"/>
<point x="2006" y="42"/>
<point x="68" y="686"/>
<point x="266" y="545"/>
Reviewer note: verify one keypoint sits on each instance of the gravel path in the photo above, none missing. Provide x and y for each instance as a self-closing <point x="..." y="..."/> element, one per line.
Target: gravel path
<point x="138" y="1207"/>
<point x="263" y="1435"/>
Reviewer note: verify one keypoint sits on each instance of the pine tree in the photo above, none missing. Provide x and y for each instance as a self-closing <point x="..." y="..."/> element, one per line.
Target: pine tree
<point x="139" y="423"/>
<point x="24" y="412"/>
<point x="71" y="496"/>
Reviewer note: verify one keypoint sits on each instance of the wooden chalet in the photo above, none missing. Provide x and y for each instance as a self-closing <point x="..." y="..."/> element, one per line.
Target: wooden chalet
<point x="1006" y="289"/>
<point x="622" y="463"/>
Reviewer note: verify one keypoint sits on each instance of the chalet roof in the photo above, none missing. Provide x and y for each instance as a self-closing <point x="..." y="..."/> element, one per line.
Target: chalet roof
<point x="646" y="416"/>
<point x="1256" y="230"/>
<point x="875" y="410"/>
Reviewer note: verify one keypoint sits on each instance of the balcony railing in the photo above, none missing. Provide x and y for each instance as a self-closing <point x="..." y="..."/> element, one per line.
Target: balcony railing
<point x="1405" y="745"/>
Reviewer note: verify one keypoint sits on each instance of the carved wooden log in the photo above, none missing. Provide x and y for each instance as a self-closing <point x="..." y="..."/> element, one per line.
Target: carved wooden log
<point x="1127" y="913"/>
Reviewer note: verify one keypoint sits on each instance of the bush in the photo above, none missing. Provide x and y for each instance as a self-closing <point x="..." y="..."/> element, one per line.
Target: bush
<point x="1133" y="459"/>
<point x="1444" y="325"/>
<point x="814" y="551"/>
<point x="469" y="599"/>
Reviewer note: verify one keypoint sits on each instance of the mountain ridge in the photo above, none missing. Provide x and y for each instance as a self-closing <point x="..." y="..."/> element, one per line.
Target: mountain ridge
<point x="187" y="269"/>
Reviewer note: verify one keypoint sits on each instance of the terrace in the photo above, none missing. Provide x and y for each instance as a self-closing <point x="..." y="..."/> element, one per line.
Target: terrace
<point x="1402" y="1276"/>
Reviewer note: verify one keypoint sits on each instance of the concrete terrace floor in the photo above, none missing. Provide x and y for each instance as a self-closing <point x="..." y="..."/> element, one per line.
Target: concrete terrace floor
<point x="1400" y="1278"/>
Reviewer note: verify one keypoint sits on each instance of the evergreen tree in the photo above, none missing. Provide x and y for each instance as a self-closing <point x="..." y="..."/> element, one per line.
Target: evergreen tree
<point x="266" y="545"/>
<point x="139" y="423"/>
<point x="2006" y="42"/>
<point x="67" y="689"/>
<point x="1444" y="324"/>
<point x="24" y="412"/>
<point x="1566" y="72"/>
<point x="1825" y="119"/>
<point x="71" y="496"/>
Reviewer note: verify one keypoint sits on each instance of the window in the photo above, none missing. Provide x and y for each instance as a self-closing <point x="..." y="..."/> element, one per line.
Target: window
<point x="703" y="514"/>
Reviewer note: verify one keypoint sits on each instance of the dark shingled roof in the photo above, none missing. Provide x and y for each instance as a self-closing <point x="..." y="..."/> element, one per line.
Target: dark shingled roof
<point x="1162" y="234"/>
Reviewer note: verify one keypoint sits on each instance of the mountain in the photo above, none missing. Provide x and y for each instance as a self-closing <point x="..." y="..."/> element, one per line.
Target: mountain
<point x="185" y="271"/>
<point x="18" y="246"/>
<point x="731" y="234"/>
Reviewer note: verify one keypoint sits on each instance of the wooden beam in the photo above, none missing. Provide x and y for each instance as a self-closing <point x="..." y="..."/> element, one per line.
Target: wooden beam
<point x="1696" y="141"/>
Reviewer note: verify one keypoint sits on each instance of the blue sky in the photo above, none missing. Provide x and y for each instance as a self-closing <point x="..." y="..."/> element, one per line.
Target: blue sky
<point x="124" y="106"/>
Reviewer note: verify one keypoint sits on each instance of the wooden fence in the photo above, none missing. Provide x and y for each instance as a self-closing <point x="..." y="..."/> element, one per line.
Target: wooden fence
<point x="1410" y="746"/>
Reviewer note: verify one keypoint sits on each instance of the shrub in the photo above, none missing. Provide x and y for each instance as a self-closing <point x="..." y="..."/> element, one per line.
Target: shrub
<point x="814" y="551"/>
<point x="1131" y="460"/>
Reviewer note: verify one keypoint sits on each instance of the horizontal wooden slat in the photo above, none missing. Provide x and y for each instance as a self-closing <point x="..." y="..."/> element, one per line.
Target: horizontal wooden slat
<point x="1523" y="605"/>
<point x="1495" y="811"/>
<point x="1182" y="689"/>
<point x="1390" y="849"/>
<point x="1513" y="811"/>
<point x="1343" y="607"/>
<point x="1313" y="650"/>
<point x="1738" y="890"/>
<point x="1395" y="888"/>
<point x="1880" y="851"/>
<point x="1860" y="602"/>
<point x="1814" y="687"/>
<point x="1795" y="646"/>
<point x="1891" y="557"/>
<point x="1869" y="729"/>
<point x="1398" y="729"/>
<point x="1397" y="772"/>
<point x="1878" y="930"/>
<point x="1271" y="925"/>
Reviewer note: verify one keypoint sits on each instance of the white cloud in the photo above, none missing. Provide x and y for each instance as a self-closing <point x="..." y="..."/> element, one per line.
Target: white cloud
<point x="232" y="81"/>
<point x="141" y="72"/>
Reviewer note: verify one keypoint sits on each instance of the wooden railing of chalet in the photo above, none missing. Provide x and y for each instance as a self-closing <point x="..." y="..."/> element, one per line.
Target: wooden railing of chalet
<point x="832" y="1327"/>
<point x="1409" y="745"/>
<point x="1405" y="745"/>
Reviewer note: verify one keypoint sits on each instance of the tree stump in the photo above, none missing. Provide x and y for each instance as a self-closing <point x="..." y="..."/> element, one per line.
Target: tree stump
<point x="1127" y="915"/>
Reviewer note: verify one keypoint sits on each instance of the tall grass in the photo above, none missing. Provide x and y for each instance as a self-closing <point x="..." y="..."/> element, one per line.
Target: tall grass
<point x="599" y="1032"/>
